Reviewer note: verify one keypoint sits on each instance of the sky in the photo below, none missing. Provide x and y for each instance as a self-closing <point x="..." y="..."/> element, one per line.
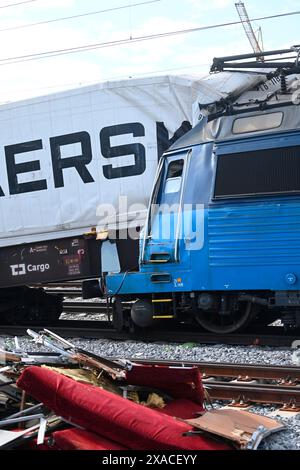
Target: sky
<point x="180" y="54"/>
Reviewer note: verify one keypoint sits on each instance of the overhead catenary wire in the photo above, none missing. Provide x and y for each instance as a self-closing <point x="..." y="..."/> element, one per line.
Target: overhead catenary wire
<point x="17" y="4"/>
<point x="130" y="40"/>
<point x="80" y="15"/>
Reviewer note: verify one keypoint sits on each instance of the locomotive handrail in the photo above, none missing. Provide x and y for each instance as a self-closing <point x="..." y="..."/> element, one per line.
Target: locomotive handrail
<point x="230" y="110"/>
<point x="186" y="166"/>
<point x="146" y="229"/>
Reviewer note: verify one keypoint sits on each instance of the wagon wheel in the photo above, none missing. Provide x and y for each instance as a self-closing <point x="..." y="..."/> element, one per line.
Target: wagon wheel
<point x="236" y="320"/>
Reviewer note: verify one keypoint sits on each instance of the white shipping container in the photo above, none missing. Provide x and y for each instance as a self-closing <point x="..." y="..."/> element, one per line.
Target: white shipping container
<point x="44" y="192"/>
<point x="65" y="154"/>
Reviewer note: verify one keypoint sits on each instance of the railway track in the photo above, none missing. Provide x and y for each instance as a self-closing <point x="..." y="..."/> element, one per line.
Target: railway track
<point x="67" y="289"/>
<point x="242" y="385"/>
<point x="250" y="394"/>
<point x="245" y="385"/>
<point x="65" y="292"/>
<point x="63" y="285"/>
<point x="243" y="372"/>
<point x="84" y="307"/>
<point x="270" y="336"/>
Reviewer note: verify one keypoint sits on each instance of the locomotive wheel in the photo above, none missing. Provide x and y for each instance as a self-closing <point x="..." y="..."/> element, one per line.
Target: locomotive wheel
<point x="223" y="324"/>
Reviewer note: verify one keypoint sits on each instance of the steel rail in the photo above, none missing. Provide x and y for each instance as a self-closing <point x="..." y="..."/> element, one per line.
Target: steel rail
<point x="239" y="393"/>
<point x="65" y="292"/>
<point x="84" y="307"/>
<point x="286" y="393"/>
<point x="64" y="284"/>
<point x="230" y="370"/>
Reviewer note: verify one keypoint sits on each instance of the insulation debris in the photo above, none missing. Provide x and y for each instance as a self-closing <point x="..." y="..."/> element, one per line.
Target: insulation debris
<point x="89" y="377"/>
<point x="154" y="401"/>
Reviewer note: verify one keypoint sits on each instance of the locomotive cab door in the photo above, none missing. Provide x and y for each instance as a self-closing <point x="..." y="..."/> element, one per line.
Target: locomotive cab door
<point x="163" y="232"/>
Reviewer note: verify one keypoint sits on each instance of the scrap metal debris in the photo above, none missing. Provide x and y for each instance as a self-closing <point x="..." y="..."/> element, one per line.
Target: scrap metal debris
<point x="9" y="437"/>
<point x="39" y="422"/>
<point x="156" y="389"/>
<point x="8" y="387"/>
<point x="117" y="370"/>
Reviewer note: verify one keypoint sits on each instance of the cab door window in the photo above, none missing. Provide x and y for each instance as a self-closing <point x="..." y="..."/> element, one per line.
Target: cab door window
<point x="174" y="177"/>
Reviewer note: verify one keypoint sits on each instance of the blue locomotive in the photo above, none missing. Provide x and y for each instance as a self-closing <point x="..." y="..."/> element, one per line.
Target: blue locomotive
<point x="221" y="243"/>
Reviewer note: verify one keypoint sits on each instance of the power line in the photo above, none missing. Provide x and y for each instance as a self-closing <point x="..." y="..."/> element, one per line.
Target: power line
<point x="19" y="3"/>
<point x="65" y="18"/>
<point x="119" y="42"/>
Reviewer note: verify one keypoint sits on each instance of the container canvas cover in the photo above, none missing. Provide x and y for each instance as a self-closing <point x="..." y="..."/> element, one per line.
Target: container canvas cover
<point x="65" y="155"/>
<point x="221" y="86"/>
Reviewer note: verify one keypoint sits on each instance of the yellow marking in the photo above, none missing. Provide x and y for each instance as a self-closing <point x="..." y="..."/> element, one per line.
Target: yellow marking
<point x="155" y="301"/>
<point x="155" y="317"/>
<point x="159" y="260"/>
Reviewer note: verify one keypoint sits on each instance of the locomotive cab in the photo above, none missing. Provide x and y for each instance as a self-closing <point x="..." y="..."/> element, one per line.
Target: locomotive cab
<point x="221" y="242"/>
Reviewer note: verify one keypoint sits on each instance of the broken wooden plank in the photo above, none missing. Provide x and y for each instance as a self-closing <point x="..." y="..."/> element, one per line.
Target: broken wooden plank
<point x="243" y="428"/>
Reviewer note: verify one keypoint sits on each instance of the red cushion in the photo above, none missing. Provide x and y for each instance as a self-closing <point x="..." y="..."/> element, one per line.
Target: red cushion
<point x="79" y="439"/>
<point x="178" y="382"/>
<point x="109" y="415"/>
<point x="182" y="408"/>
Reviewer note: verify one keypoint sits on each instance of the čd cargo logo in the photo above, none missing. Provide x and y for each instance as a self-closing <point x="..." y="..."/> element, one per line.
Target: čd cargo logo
<point x="22" y="269"/>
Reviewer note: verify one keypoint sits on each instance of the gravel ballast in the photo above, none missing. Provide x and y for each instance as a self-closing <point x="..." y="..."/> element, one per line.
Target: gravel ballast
<point x="189" y="351"/>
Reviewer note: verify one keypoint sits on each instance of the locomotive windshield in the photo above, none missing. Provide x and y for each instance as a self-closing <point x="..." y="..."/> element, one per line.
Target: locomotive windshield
<point x="257" y="123"/>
